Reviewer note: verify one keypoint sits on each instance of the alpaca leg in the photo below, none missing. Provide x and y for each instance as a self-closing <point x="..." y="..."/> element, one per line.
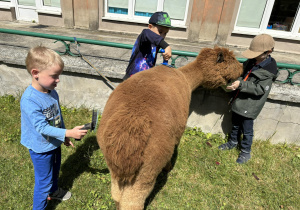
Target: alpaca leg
<point x="170" y="164"/>
<point x="155" y="159"/>
<point x="134" y="196"/>
<point x="116" y="192"/>
<point x="168" y="167"/>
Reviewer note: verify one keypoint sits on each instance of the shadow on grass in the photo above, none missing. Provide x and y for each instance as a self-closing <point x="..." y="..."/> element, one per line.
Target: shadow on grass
<point x="78" y="163"/>
<point x="75" y="165"/>
<point x="161" y="180"/>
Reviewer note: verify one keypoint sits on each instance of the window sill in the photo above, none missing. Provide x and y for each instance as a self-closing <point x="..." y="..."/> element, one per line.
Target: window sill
<point x="50" y="12"/>
<point x="274" y="33"/>
<point x="137" y="20"/>
<point x="5" y="6"/>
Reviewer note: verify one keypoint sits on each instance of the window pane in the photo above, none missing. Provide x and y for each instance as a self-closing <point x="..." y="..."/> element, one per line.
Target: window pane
<point x="175" y="8"/>
<point x="27" y="2"/>
<point x="118" y="6"/>
<point x="52" y="3"/>
<point x="251" y="13"/>
<point x="145" y="7"/>
<point x="283" y="15"/>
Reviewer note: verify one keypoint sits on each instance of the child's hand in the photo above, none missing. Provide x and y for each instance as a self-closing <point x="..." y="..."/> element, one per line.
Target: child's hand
<point x="234" y="85"/>
<point x="168" y="53"/>
<point x="76" y="133"/>
<point x="68" y="142"/>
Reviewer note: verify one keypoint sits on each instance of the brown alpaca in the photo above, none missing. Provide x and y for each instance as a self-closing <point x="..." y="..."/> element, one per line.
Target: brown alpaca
<point x="145" y="117"/>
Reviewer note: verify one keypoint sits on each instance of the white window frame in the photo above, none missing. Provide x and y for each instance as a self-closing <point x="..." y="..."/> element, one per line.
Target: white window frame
<point x="6" y="5"/>
<point x="293" y="34"/>
<point x="130" y="17"/>
<point x="40" y="8"/>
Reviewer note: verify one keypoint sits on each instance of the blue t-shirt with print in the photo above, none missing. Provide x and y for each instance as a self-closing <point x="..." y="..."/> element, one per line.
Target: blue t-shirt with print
<point x="42" y="125"/>
<point x="144" y="52"/>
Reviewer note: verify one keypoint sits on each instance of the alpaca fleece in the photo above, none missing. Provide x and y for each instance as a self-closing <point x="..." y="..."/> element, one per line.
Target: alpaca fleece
<point x="145" y="117"/>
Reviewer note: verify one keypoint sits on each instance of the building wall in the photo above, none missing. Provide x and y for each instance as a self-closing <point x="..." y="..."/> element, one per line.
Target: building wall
<point x="211" y="20"/>
<point x="53" y="20"/>
<point x="81" y="14"/>
<point x="67" y="13"/>
<point x="7" y="14"/>
<point x="226" y="18"/>
<point x="196" y="20"/>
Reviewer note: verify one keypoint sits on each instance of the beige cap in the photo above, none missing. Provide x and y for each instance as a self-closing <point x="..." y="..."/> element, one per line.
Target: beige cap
<point x="260" y="44"/>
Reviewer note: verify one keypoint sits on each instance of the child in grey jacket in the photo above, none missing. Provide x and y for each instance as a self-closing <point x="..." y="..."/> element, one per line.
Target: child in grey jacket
<point x="251" y="92"/>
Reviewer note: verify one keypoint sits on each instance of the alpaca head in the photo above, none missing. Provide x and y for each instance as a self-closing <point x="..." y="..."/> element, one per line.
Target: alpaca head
<point x="219" y="66"/>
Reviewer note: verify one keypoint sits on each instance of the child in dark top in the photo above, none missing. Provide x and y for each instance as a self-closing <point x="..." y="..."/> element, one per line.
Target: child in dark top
<point x="251" y="92"/>
<point x="42" y="125"/>
<point x="148" y="43"/>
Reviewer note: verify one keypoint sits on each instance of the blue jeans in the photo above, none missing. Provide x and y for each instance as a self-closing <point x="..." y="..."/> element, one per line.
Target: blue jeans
<point x="46" y="171"/>
<point x="242" y="125"/>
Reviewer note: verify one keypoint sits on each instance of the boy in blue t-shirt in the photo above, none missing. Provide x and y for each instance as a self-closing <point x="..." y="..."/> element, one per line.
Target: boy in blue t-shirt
<point x="148" y="43"/>
<point x="42" y="125"/>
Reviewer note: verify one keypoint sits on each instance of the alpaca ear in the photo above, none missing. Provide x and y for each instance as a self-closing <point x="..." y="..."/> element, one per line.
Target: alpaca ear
<point x="220" y="57"/>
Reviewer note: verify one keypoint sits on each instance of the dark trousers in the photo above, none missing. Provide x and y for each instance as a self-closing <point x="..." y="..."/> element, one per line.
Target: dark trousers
<point x="242" y="125"/>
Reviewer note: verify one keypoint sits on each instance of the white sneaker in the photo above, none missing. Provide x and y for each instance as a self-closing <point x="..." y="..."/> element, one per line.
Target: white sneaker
<point x="60" y="194"/>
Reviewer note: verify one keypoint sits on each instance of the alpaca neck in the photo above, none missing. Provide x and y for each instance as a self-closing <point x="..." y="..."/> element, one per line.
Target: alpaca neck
<point x="193" y="74"/>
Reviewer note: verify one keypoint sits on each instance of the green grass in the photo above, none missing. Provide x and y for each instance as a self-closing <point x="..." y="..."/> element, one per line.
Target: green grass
<point x="203" y="176"/>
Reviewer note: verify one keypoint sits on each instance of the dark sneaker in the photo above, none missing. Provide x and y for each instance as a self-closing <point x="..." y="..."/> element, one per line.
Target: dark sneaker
<point x="227" y="146"/>
<point x="243" y="158"/>
<point x="60" y="194"/>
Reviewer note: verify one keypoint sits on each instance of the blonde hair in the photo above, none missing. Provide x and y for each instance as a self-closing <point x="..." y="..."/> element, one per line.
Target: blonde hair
<point x="41" y="58"/>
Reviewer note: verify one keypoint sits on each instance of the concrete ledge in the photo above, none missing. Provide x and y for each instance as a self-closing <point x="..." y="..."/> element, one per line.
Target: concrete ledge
<point x="209" y="111"/>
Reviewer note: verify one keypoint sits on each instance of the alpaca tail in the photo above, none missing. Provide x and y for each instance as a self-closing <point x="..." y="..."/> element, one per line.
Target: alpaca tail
<point x="126" y="137"/>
